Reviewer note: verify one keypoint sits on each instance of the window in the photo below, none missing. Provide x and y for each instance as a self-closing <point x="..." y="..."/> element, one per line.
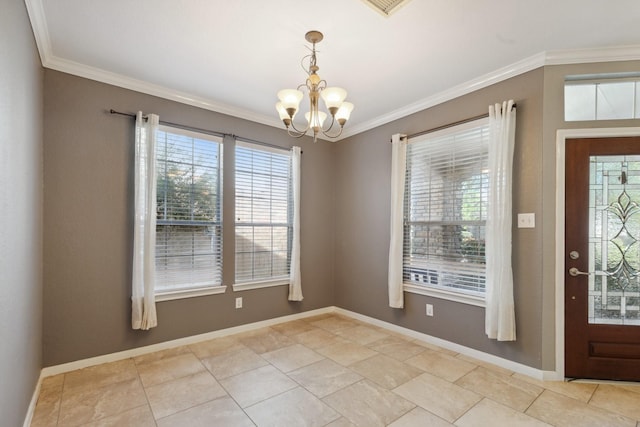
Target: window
<point x="263" y="224"/>
<point x="445" y="210"/>
<point x="602" y="97"/>
<point x="188" y="221"/>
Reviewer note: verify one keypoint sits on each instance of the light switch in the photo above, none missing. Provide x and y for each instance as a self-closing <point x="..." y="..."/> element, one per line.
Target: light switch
<point x="526" y="220"/>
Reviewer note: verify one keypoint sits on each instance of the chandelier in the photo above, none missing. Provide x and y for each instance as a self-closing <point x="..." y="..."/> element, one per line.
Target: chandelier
<point x="333" y="98"/>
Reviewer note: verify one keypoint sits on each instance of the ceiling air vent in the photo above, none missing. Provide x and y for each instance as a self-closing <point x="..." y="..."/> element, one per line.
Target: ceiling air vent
<point x="385" y="7"/>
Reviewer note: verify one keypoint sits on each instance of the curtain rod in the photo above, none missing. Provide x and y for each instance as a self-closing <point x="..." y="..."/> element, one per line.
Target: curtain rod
<point x="205" y="131"/>
<point x="449" y="125"/>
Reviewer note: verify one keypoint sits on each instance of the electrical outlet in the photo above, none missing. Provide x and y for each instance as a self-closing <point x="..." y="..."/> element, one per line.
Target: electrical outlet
<point x="429" y="309"/>
<point x="239" y="302"/>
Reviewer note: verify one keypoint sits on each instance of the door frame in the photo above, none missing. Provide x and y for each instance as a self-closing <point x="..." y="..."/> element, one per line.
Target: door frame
<point x="561" y="137"/>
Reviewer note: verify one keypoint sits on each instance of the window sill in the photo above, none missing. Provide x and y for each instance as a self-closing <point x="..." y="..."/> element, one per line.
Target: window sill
<point x="190" y="293"/>
<point x="444" y="294"/>
<point x="258" y="285"/>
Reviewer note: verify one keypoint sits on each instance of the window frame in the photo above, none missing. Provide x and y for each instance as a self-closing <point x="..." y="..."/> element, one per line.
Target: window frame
<point x="280" y="280"/>
<point x="210" y="287"/>
<point x="442" y="292"/>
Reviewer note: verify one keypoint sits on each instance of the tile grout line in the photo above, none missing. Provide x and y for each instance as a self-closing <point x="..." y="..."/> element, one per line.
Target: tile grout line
<point x="593" y="394"/>
<point x="244" y="372"/>
<point x="336" y="391"/>
<point x="468" y="410"/>
<point x="532" y="402"/>
<point x="298" y="384"/>
<point x="64" y="381"/>
<point x="234" y="400"/>
<point x="189" y="351"/>
<point x="144" y="389"/>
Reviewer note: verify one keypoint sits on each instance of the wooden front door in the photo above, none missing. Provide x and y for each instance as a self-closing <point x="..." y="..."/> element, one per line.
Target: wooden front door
<point x="602" y="260"/>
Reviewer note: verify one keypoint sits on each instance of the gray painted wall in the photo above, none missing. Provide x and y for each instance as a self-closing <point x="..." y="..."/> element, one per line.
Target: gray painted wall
<point x="362" y="225"/>
<point x="88" y="159"/>
<point x="20" y="213"/>
<point x="345" y="221"/>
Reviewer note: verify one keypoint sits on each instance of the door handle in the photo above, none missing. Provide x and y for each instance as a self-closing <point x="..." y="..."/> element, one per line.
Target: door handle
<point x="575" y="272"/>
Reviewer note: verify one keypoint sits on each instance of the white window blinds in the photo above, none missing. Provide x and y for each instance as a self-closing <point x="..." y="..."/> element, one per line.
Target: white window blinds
<point x="445" y="209"/>
<point x="189" y="197"/>
<point x="263" y="224"/>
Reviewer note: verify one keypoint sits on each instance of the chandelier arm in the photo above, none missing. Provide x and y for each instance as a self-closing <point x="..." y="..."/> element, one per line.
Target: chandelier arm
<point x="325" y="132"/>
<point x="333" y="136"/>
<point x="295" y="135"/>
<point x="308" y="125"/>
<point x="304" y="131"/>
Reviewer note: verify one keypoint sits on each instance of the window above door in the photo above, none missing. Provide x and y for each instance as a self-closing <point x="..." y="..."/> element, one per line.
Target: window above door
<point x="602" y="97"/>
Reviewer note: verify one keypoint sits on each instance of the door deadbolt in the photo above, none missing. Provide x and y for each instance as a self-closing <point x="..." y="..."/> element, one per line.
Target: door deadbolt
<point x="574" y="255"/>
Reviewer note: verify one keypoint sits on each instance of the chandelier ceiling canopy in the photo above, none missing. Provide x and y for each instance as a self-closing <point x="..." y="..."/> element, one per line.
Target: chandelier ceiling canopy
<point x="333" y="97"/>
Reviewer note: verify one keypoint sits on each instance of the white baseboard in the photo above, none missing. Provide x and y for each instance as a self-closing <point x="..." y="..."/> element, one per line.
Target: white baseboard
<point x="32" y="405"/>
<point x="120" y="355"/>
<point x="476" y="354"/>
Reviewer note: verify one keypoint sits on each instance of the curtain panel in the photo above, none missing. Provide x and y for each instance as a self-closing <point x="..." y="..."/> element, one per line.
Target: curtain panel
<point x="398" y="170"/>
<point x="500" y="321"/>
<point x="295" y="279"/>
<point x="143" y="312"/>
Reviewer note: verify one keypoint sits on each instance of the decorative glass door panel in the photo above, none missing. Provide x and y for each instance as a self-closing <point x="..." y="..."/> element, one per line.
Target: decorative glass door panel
<point x="614" y="240"/>
<point x="602" y="258"/>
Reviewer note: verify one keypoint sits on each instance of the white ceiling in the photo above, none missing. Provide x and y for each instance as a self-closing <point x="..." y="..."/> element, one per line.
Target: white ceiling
<point x="233" y="56"/>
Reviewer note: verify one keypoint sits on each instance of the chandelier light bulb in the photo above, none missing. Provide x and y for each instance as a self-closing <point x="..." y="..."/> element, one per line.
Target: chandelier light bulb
<point x="282" y="112"/>
<point x="344" y="112"/>
<point x="284" y="115"/>
<point x="315" y="120"/>
<point x="290" y="99"/>
<point x="333" y="97"/>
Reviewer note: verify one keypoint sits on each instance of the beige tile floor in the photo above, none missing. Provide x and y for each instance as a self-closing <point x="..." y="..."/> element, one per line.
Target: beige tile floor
<point x="326" y="370"/>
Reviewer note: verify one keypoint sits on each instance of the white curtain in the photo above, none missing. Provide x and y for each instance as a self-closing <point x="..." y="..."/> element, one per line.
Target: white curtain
<point x="295" y="279"/>
<point x="500" y="320"/>
<point x="143" y="313"/>
<point x="398" y="170"/>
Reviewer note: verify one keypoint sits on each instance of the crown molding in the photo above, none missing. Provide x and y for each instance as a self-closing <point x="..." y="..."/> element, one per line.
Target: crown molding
<point x="125" y="82"/>
<point x="40" y="28"/>
<point x="555" y="57"/>
<point x="465" y="88"/>
<point x="583" y="56"/>
<point x="38" y="20"/>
